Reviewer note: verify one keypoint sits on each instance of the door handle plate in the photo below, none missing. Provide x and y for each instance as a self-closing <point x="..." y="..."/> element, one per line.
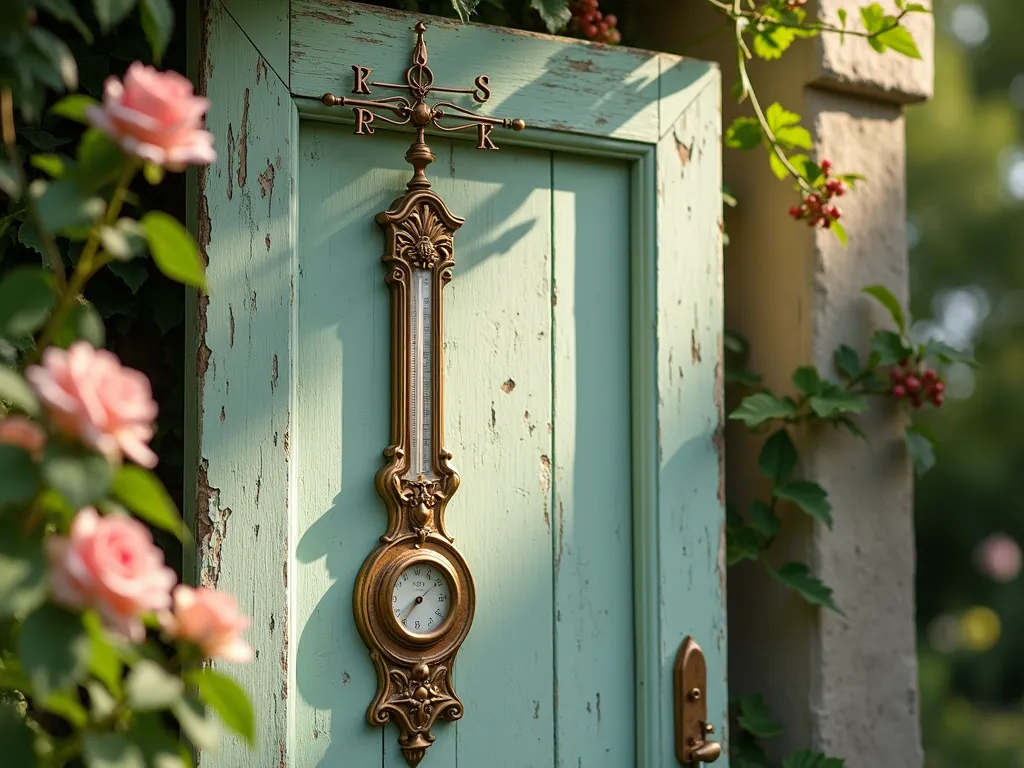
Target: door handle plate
<point x="691" y="707"/>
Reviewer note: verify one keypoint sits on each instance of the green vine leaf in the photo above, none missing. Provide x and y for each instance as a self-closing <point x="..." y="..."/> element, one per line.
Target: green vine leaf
<point x="174" y="249"/>
<point x="23" y="574"/>
<point x="110" y="13"/>
<point x="777" y="460"/>
<point x="157" y="24"/>
<point x="764" y="520"/>
<point x="808" y="496"/>
<point x="888" y="347"/>
<point x="840" y="232"/>
<point x="228" y="699"/>
<point x="554" y="13"/>
<point x="921" y="448"/>
<point x="16" y="391"/>
<point x="17" y="737"/>
<point x="810" y="759"/>
<point x="54" y="649"/>
<point x="741" y="543"/>
<point x="947" y="354"/>
<point x="143" y="493"/>
<point x="151" y="687"/>
<point x="807" y="380"/>
<point x="888" y="299"/>
<point x="26" y="299"/>
<point x="744" y="134"/>
<point x="761" y="407"/>
<point x="785" y="125"/>
<point x="847" y="362"/>
<point x="756" y="718"/>
<point x="900" y="40"/>
<point x="832" y="401"/>
<point x="798" y="577"/>
<point x="111" y="750"/>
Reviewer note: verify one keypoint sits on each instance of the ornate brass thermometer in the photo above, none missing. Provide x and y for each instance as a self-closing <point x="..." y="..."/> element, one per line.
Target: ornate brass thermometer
<point x="414" y="597"/>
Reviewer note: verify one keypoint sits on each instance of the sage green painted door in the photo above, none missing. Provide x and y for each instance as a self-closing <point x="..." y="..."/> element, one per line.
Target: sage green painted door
<point x="582" y="363"/>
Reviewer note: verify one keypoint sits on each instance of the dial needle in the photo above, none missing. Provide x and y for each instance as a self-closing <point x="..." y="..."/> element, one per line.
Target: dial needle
<point x="414" y="603"/>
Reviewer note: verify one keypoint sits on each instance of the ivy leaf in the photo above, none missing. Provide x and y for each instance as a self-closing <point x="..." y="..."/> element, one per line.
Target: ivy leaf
<point x="79" y="475"/>
<point x="741" y="543"/>
<point x="174" y="249"/>
<point x="887" y="347"/>
<point x="763" y="520"/>
<point x="778" y="457"/>
<point x="808" y="496"/>
<point x="19" y="475"/>
<point x="141" y="491"/>
<point x="761" y="407"/>
<point x="111" y="750"/>
<point x="888" y="299"/>
<point x="797" y="576"/>
<point x="26" y="299"/>
<point x="773" y="41"/>
<point x="745" y="133"/>
<point x="17" y="737"/>
<point x="756" y="718"/>
<point x="133" y="273"/>
<point x="947" y="354"/>
<point x="807" y="380"/>
<point x="900" y="40"/>
<point x="16" y="391"/>
<point x="157" y="24"/>
<point x="23" y="580"/>
<point x="228" y="700"/>
<point x="73" y="107"/>
<point x="54" y="649"/>
<point x="847" y="361"/>
<point x="110" y="13"/>
<point x="151" y="687"/>
<point x="833" y="400"/>
<point x="785" y="125"/>
<point x="922" y="450"/>
<point x="810" y="759"/>
<point x="554" y="13"/>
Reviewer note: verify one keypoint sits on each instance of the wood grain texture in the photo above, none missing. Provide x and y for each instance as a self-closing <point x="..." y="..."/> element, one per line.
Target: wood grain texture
<point x="551" y="82"/>
<point x="592" y="521"/>
<point x="691" y="528"/>
<point x="241" y="364"/>
<point x="266" y="24"/>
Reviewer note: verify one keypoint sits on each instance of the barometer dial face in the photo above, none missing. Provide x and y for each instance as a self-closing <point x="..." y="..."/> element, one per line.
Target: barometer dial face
<point x="421" y="598"/>
<point x="421" y="375"/>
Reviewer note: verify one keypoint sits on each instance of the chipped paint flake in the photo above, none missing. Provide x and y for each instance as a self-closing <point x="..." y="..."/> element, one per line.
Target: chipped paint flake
<point x="243" y="142"/>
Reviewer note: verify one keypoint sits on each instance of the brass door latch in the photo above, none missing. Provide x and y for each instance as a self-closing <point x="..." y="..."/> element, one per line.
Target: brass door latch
<point x="691" y="710"/>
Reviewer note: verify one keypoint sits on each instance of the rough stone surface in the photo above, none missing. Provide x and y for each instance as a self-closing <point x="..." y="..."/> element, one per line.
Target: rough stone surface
<point x="851" y="64"/>
<point x="846" y="685"/>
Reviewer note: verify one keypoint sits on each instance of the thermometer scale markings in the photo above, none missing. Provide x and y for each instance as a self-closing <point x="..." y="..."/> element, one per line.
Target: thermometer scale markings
<point x="421" y="385"/>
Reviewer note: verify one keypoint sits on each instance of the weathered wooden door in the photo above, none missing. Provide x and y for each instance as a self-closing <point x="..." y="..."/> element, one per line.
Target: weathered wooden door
<point x="583" y="363"/>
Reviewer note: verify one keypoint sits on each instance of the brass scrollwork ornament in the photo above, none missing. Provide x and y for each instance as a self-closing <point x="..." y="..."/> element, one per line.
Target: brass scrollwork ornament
<point x="414" y="597"/>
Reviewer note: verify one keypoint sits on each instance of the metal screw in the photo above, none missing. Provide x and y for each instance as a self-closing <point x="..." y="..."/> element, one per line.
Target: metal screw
<point x="694" y="694"/>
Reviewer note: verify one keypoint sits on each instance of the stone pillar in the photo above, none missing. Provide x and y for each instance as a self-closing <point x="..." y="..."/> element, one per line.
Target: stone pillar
<point x="845" y="685"/>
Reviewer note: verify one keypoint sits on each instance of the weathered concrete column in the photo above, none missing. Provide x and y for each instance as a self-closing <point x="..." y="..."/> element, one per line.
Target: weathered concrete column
<point x="846" y="685"/>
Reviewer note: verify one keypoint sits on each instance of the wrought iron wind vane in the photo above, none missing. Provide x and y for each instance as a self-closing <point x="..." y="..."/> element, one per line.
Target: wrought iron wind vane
<point x="414" y="597"/>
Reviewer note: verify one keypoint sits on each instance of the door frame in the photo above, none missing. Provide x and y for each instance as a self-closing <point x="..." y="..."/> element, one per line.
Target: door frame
<point x="264" y="66"/>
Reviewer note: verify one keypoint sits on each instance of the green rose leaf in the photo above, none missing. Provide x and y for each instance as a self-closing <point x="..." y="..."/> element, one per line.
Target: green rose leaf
<point x="141" y="491"/>
<point x="173" y="248"/>
<point x="54" y="649"/>
<point x="74" y="107"/>
<point x="847" y="362"/>
<point x="124" y="241"/>
<point x="111" y="750"/>
<point x="63" y="205"/>
<point x="201" y="729"/>
<point x="26" y="300"/>
<point x="228" y="700"/>
<point x="100" y="162"/>
<point x="921" y="449"/>
<point x="763" y="520"/>
<point x="19" y="475"/>
<point x="810" y="497"/>
<point x="17" y="738"/>
<point x="110" y="13"/>
<point x="80" y="476"/>
<point x="810" y="759"/>
<point x="66" y="704"/>
<point x="23" y="582"/>
<point x="755" y="717"/>
<point x="104" y="662"/>
<point x="50" y="164"/>
<point x="151" y="687"/>
<point x="16" y="391"/>
<point x="82" y="322"/>
<point x="157" y="24"/>
<point x="888" y="299"/>
<point x="757" y="409"/>
<point x="798" y="577"/>
<point x="778" y="457"/>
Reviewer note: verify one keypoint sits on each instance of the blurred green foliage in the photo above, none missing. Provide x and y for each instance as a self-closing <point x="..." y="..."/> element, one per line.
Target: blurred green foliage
<point x="967" y="276"/>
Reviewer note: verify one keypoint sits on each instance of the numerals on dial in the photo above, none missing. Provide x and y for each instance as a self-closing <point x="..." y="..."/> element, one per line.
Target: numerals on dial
<point x="421" y="599"/>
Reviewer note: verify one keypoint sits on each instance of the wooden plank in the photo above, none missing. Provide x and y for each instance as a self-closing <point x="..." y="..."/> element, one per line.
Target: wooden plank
<point x="266" y="24"/>
<point x="498" y="412"/>
<point x="240" y="363"/>
<point x="691" y="520"/>
<point x="339" y="430"/>
<point x="551" y="82"/>
<point x="593" y="539"/>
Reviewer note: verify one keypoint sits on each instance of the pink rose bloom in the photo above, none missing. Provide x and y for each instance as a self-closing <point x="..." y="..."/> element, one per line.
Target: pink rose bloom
<point x="90" y="395"/>
<point x="211" y="620"/>
<point x="24" y="433"/>
<point x="155" y="116"/>
<point x="999" y="557"/>
<point x="112" y="565"/>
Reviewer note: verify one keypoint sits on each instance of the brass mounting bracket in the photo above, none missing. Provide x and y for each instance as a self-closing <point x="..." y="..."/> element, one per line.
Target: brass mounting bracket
<point x="691" y="707"/>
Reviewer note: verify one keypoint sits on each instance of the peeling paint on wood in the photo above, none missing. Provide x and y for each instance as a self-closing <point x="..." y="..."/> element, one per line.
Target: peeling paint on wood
<point x="243" y="142"/>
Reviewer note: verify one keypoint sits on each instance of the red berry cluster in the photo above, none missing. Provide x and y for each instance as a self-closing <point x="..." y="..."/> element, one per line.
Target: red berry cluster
<point x="817" y="208"/>
<point x="918" y="385"/>
<point x="792" y="5"/>
<point x="592" y="24"/>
